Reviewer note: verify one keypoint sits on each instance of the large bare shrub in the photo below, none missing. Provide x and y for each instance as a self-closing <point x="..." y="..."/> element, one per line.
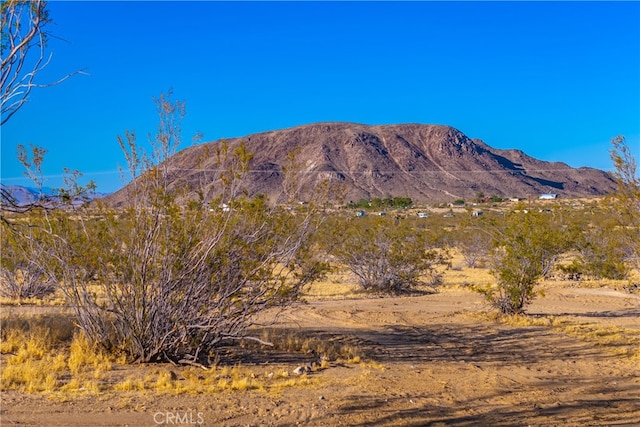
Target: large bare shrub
<point x="161" y="281"/>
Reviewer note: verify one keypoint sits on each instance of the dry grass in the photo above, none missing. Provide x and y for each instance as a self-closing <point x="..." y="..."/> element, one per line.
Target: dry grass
<point x="191" y="380"/>
<point x="83" y="357"/>
<point x="55" y="299"/>
<point x="329" y="349"/>
<point x="47" y="354"/>
<point x="619" y="341"/>
<point x="466" y="278"/>
<point x="618" y="285"/>
<point x="615" y="340"/>
<point x="337" y="285"/>
<point x="265" y="379"/>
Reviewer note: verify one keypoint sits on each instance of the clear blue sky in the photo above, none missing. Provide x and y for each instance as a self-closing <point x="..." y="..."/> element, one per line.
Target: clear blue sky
<point x="556" y="80"/>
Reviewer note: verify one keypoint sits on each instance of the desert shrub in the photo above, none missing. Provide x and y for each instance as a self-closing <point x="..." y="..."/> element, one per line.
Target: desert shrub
<point x="168" y="280"/>
<point x="21" y="276"/>
<point x="24" y="282"/>
<point x="524" y="248"/>
<point x="571" y="271"/>
<point x="378" y="203"/>
<point x="625" y="203"/>
<point x="386" y="256"/>
<point x="360" y="204"/>
<point x="601" y="253"/>
<point x="474" y="244"/>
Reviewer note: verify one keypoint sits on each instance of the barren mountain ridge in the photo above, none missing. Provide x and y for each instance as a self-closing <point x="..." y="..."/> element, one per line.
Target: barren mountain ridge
<point x="428" y="163"/>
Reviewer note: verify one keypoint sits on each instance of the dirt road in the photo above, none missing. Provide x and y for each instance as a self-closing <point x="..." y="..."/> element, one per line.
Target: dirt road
<point x="428" y="360"/>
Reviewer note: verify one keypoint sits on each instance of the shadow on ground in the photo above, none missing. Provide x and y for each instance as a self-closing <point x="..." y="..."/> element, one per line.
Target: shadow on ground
<point x="542" y="397"/>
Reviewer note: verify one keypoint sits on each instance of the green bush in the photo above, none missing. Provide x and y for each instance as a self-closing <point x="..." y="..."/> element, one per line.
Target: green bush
<point x="601" y="254"/>
<point x="524" y="249"/>
<point x="378" y="203"/>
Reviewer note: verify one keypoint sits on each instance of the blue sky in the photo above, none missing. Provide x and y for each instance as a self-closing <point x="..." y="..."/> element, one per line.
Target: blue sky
<point x="557" y="80"/>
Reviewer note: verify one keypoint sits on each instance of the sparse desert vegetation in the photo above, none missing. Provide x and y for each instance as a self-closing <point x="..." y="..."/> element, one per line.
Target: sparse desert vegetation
<point x="426" y="357"/>
<point x="385" y="319"/>
<point x="330" y="273"/>
<point x="345" y="354"/>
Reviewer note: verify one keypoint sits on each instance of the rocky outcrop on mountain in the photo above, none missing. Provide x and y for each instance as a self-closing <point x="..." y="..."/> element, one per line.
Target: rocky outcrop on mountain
<point x="428" y="163"/>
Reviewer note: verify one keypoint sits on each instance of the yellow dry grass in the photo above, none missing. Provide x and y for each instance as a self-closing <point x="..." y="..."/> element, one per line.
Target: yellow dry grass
<point x="47" y="354"/>
<point x="193" y="380"/>
<point x="43" y="354"/>
<point x="618" y="341"/>
<point x="464" y="277"/>
<point x="337" y="285"/>
<point x="55" y="299"/>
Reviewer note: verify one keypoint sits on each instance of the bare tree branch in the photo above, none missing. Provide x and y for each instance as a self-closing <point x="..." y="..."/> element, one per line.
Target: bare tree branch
<point x="23" y="53"/>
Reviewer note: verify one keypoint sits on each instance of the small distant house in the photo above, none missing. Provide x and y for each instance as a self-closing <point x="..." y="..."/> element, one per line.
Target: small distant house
<point x="223" y="206"/>
<point x="548" y="196"/>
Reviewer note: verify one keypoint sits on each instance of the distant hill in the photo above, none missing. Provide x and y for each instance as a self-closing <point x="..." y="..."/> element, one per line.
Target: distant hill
<point x="23" y="196"/>
<point x="428" y="163"/>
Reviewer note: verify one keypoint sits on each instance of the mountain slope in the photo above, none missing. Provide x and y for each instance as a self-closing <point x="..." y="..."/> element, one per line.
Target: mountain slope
<point x="425" y="162"/>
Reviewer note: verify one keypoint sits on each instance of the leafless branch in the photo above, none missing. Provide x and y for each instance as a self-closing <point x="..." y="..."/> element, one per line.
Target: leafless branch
<point x="24" y="56"/>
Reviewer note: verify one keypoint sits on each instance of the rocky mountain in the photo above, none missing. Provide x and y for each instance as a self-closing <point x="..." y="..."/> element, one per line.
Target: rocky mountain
<point x="428" y="163"/>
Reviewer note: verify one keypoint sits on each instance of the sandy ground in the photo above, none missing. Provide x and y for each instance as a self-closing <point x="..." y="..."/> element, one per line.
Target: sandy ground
<point x="434" y="361"/>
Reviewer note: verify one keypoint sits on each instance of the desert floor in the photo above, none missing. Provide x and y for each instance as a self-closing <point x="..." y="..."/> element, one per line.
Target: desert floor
<point x="430" y="360"/>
